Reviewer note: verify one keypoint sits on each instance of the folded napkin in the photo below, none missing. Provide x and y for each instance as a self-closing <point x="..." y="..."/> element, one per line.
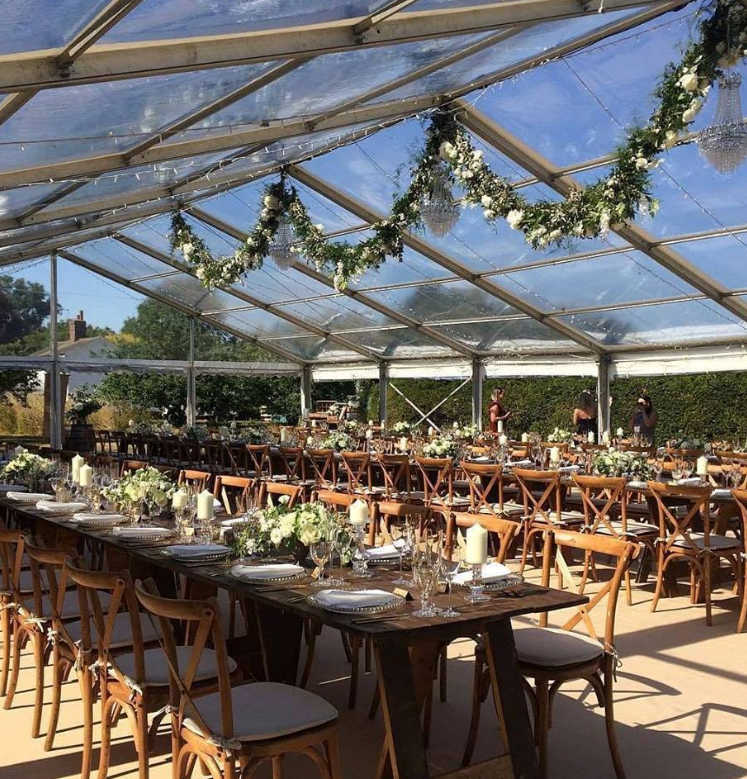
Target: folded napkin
<point x="491" y="572"/>
<point x="569" y="468"/>
<point x="196" y="551"/>
<point x="51" y="507"/>
<point x="234" y="521"/>
<point x="266" y="571"/>
<point x="141" y="533"/>
<point x="721" y="492"/>
<point x="519" y="463"/>
<point x="386" y="552"/>
<point x="693" y="480"/>
<point x="4" y="487"/>
<point x="483" y="459"/>
<point x="87" y="516"/>
<point x="634" y="484"/>
<point x="353" y="600"/>
<point x="28" y="497"/>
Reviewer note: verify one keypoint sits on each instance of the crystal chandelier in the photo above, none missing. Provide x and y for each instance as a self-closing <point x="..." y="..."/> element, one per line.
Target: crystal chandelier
<point x="724" y="142"/>
<point x="280" y="248"/>
<point x="440" y="212"/>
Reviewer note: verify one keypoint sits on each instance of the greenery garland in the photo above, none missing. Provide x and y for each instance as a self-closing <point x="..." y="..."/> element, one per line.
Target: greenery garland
<point x="586" y="213"/>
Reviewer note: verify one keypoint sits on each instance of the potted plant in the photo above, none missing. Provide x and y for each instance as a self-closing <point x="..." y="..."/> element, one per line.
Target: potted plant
<point x="83" y="403"/>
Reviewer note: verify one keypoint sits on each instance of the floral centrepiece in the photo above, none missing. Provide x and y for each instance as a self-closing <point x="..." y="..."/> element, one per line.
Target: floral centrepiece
<point x="441" y="446"/>
<point x="448" y="157"/>
<point x="339" y="441"/>
<point x="28" y="469"/>
<point x="467" y="432"/>
<point x="145" y="485"/>
<point x="401" y="428"/>
<point x="615" y="463"/>
<point x="84" y="403"/>
<point x="560" y="436"/>
<point x="280" y="529"/>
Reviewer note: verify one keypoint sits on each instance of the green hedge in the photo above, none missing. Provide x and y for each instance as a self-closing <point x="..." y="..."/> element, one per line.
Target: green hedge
<point x="700" y="405"/>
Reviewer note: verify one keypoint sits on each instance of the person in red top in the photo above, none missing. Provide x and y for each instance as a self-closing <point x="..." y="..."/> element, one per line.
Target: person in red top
<point x="496" y="411"/>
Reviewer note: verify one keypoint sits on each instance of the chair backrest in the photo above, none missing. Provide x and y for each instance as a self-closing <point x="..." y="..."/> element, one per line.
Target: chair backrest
<point x="292" y="462"/>
<point x="602" y="499"/>
<point x="322" y="462"/>
<point x="271" y="490"/>
<point x="357" y="472"/>
<point x="549" y="503"/>
<point x="395" y="469"/>
<point x="485" y="481"/>
<point x="676" y="528"/>
<point x="740" y="498"/>
<point x="11" y="562"/>
<point x="336" y="501"/>
<point x="504" y="529"/>
<point x="130" y="466"/>
<point x="203" y="622"/>
<point x="622" y="552"/>
<point x="118" y="586"/>
<point x="236" y="493"/>
<point x="197" y="480"/>
<point x="438" y="476"/>
<point x="48" y="573"/>
<point x="259" y="459"/>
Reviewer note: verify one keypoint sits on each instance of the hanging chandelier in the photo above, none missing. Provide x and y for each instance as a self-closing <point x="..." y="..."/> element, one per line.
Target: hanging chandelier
<point x="724" y="142"/>
<point x="440" y="212"/>
<point x="282" y="243"/>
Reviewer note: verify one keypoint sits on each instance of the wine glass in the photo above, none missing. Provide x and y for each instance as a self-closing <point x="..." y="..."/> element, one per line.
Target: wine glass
<point x="677" y="470"/>
<point x="449" y="569"/>
<point x="423" y="574"/>
<point x="320" y="553"/>
<point x="405" y="547"/>
<point x="687" y="469"/>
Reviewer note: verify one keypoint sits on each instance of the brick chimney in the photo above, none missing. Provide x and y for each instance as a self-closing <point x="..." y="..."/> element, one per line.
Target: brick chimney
<point x="77" y="327"/>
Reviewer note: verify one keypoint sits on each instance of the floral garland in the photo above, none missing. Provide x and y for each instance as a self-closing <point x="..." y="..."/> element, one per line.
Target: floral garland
<point x="585" y="213"/>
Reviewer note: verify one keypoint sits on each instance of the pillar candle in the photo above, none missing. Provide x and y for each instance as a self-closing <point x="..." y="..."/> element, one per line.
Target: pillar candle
<point x="455" y="425"/>
<point x="620" y="432"/>
<point x="403" y="444"/>
<point x="502" y="440"/>
<point x="431" y="432"/>
<point x="358" y="513"/>
<point x="525" y="438"/>
<point x="75" y="465"/>
<point x="283" y="435"/>
<point x="85" y="475"/>
<point x="554" y="455"/>
<point x="179" y="500"/>
<point x="370" y="422"/>
<point x="606" y="437"/>
<point x="590" y="436"/>
<point x="476" y="552"/>
<point x="313" y="422"/>
<point x="701" y="467"/>
<point x="500" y="425"/>
<point x="205" y="508"/>
<point x="369" y="433"/>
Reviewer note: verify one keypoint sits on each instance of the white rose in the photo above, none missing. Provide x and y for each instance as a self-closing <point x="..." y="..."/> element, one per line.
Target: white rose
<point x="670" y="139"/>
<point x="309" y="534"/>
<point x="488" y="213"/>
<point x="446" y="151"/>
<point x="641" y="163"/>
<point x="187" y="249"/>
<point x="486" y="200"/>
<point x="276" y="536"/>
<point x="689" y="82"/>
<point x="270" y="202"/>
<point x="514" y="218"/>
<point x="477" y="154"/>
<point x="689" y="115"/>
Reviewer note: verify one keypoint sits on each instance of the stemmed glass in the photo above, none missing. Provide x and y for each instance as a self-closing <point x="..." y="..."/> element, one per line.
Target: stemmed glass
<point x="335" y="541"/>
<point x="424" y="574"/>
<point x="448" y="570"/>
<point x="687" y="469"/>
<point x="320" y="553"/>
<point x="404" y="548"/>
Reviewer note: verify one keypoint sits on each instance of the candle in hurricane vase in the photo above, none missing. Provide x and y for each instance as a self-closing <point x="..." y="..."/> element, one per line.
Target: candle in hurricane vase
<point x="205" y="507"/>
<point x="476" y="552"/>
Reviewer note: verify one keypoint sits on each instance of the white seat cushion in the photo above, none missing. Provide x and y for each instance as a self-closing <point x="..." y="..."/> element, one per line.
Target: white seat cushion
<point x="70" y="605"/>
<point x="157" y="668"/>
<point x="632" y="528"/>
<point x="510" y="508"/>
<point x="715" y="541"/>
<point x="264" y="710"/>
<point x="122" y="632"/>
<point x="555" y="648"/>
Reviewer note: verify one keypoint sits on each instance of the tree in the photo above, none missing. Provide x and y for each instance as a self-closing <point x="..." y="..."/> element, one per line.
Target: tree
<point x="23" y="308"/>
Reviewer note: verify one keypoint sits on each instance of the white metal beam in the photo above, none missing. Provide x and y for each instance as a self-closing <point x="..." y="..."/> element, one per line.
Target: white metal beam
<point x="108" y="62"/>
<point x="636" y="236"/>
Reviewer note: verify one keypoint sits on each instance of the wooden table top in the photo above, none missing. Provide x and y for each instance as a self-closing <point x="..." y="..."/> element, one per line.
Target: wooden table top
<point x="524" y="598"/>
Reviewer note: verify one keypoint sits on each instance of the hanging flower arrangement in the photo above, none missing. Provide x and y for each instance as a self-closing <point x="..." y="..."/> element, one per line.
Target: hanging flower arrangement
<point x="449" y="158"/>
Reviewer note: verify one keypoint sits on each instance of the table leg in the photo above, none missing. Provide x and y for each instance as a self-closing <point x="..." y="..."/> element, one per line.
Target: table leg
<point x="405" y="678"/>
<point x="280" y="635"/>
<point x="510" y="703"/>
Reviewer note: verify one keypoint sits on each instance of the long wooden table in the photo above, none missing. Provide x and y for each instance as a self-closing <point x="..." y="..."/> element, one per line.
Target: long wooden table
<point x="406" y="648"/>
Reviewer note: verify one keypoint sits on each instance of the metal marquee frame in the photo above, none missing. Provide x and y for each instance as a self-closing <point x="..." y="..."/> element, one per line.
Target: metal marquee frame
<point x="222" y="159"/>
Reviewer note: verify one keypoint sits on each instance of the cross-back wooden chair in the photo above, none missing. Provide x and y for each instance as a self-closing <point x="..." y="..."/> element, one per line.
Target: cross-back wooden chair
<point x="740" y="498"/>
<point x="554" y="656"/>
<point x="605" y="512"/>
<point x="679" y="540"/>
<point x="130" y="466"/>
<point x="271" y="491"/>
<point x="486" y="490"/>
<point x="292" y="464"/>
<point x="237" y="728"/>
<point x="395" y="473"/>
<point x="236" y="493"/>
<point x="437" y="474"/>
<point x="336" y="501"/>
<point x="542" y="493"/>
<point x="196" y="480"/>
<point x="13" y="584"/>
<point x="323" y="467"/>
<point x="259" y="460"/>
<point x="357" y="470"/>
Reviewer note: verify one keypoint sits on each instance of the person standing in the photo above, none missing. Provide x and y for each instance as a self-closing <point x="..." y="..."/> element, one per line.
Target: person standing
<point x="644" y="419"/>
<point x="585" y="415"/>
<point x="496" y="411"/>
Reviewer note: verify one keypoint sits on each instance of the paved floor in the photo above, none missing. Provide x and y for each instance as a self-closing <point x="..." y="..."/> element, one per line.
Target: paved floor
<point x="681" y="699"/>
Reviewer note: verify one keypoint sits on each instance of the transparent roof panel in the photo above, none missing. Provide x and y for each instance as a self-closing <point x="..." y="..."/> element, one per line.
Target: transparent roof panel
<point x="54" y="24"/>
<point x="115" y="257"/>
<point x="435" y="303"/>
<point x="316" y="348"/>
<point x="79" y="121"/>
<point x="518" y="335"/>
<point x="345" y="75"/>
<point x="724" y="259"/>
<point x="663" y="323"/>
<point x="180" y="18"/>
<point x="14" y="202"/>
<point x="338" y="313"/>
<point x="400" y="344"/>
<point x="187" y="291"/>
<point x="617" y="278"/>
<point x="414" y="267"/>
<point x="259" y="323"/>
